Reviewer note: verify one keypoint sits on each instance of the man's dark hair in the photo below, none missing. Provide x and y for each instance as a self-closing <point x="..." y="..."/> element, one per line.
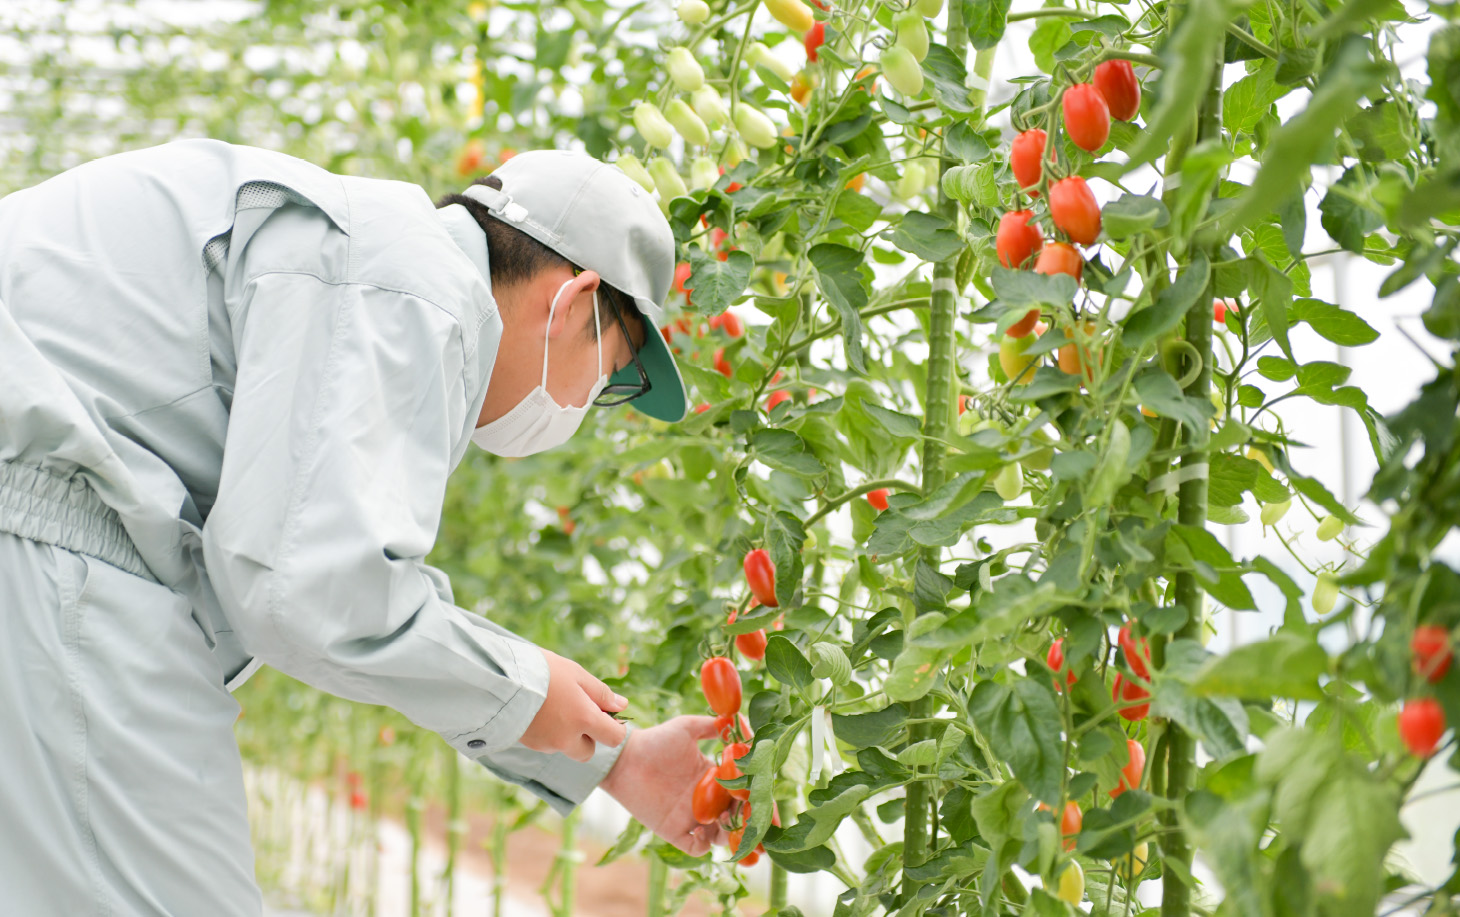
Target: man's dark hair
<point x="516" y="257"/>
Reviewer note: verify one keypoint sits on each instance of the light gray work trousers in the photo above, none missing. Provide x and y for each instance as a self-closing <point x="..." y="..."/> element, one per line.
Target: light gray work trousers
<point x="121" y="786"/>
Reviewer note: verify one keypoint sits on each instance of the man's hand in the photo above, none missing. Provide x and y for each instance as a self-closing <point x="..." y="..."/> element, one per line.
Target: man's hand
<point x="572" y="718"/>
<point x="655" y="776"/>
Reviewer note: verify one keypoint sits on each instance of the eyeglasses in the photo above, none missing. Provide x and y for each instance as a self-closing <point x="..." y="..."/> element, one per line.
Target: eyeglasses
<point x="618" y="393"/>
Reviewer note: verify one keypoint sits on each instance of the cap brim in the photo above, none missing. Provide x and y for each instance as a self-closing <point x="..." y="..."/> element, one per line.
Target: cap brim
<point x="666" y="398"/>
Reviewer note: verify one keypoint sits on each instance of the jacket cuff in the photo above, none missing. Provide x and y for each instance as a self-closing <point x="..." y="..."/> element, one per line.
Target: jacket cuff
<point x="553" y="777"/>
<point x="508" y="724"/>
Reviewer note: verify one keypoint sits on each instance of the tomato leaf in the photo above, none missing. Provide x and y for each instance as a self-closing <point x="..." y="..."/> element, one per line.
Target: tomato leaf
<point x="1298" y="143"/>
<point x="786" y="663"/>
<point x="841" y="281"/>
<point x="717" y="284"/>
<point x="930" y="237"/>
<point x="815" y="826"/>
<point x="784" y="537"/>
<point x="985" y="21"/>
<point x="1284" y="665"/>
<point x="863" y="730"/>
<point x="1130" y="214"/>
<point x="1024" y="722"/>
<point x="1338" y="325"/>
<point x="1025" y="288"/>
<point x="1171" y="304"/>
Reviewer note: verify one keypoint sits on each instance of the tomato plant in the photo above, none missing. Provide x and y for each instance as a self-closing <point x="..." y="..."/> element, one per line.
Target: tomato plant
<point x="865" y="215"/>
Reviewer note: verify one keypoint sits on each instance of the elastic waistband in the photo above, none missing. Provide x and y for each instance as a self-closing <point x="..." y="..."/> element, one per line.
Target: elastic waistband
<point x="65" y="511"/>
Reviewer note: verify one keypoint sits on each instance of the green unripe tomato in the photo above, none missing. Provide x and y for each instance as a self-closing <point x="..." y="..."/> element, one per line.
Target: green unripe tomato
<point x="1009" y="482"/>
<point x="630" y="165"/>
<point x="1070" y="888"/>
<point x="1272" y="513"/>
<point x="684" y="70"/>
<point x="929" y="8"/>
<point x="902" y="70"/>
<point x="649" y="121"/>
<point x="912" y="33"/>
<point x="1325" y="593"/>
<point x="709" y="106"/>
<point x="689" y="125"/>
<point x="1330" y="528"/>
<point x="693" y="12"/>
<point x="667" y="180"/>
<point x="754" y="127"/>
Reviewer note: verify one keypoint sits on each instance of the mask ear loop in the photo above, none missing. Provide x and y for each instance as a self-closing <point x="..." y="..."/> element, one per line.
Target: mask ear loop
<point x="551" y="309"/>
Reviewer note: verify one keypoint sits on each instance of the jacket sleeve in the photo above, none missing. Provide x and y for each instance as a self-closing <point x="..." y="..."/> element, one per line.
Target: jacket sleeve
<point x="559" y="780"/>
<point x="347" y="403"/>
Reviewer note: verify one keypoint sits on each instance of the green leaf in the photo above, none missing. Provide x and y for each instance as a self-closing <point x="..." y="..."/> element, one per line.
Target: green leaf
<point x="1189" y="59"/>
<point x="1024" y="723"/>
<point x="985" y="21"/>
<point x="1340" y="326"/>
<point x="1130" y="214"/>
<point x="1171" y="304"/>
<point x="784" y="451"/>
<point x="1112" y="472"/>
<point x="1298" y="143"/>
<point x="1025" y="288"/>
<point x="863" y="730"/>
<point x="784" y="537"/>
<point x="962" y="141"/>
<point x="1346" y="220"/>
<point x="945" y="78"/>
<point x="787" y="664"/>
<point x="717" y="284"/>
<point x="857" y="210"/>
<point x="1274" y="293"/>
<point x="1248" y="99"/>
<point x="816" y="824"/>
<point x="914" y="672"/>
<point x="930" y="237"/>
<point x="839" y="276"/>
<point x="816" y="859"/>
<point x="1284" y="665"/>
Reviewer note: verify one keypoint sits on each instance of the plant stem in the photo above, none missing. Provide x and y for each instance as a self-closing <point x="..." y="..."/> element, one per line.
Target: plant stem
<point x="1191" y="510"/>
<point x="658" y="879"/>
<point x="937" y="423"/>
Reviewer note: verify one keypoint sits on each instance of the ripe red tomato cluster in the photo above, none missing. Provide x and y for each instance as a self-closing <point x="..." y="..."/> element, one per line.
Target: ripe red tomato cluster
<point x="1055" y="659"/>
<point x="1422" y="721"/>
<point x="721" y="684"/>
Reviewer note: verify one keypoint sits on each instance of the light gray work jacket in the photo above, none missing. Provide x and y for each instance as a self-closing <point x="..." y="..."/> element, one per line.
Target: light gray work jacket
<point x="247" y="378"/>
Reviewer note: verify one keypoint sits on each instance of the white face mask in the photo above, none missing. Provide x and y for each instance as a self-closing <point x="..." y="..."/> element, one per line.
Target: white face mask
<point x="539" y="423"/>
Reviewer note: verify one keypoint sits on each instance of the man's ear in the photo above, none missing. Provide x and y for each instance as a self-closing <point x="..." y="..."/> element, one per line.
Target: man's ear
<point x="563" y="318"/>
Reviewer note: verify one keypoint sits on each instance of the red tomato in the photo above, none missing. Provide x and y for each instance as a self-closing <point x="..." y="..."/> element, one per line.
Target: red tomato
<point x="735" y="836"/>
<point x="733" y="186"/>
<point x="770" y="405"/>
<point x="1060" y="258"/>
<point x="814" y="39"/>
<point x="1022" y="328"/>
<point x="752" y="857"/>
<point x="760" y="574"/>
<point x="681" y="274"/>
<point x="752" y="645"/>
<point x="721" y="684"/>
<point x="1087" y="117"/>
<point x="1119" y="87"/>
<point x="1421" y="723"/>
<point x="701" y="408"/>
<point x="1137" y="656"/>
<point x="729" y="770"/>
<point x="780" y="621"/>
<point x="1125" y="691"/>
<point x="357" y="800"/>
<point x="725" y="730"/>
<point x="730" y="322"/>
<point x="1017" y="238"/>
<point x="1130" y="775"/>
<point x="470" y="159"/>
<point x="1075" y="212"/>
<point x="1432" y="654"/>
<point x="352" y="780"/>
<point x="963" y="402"/>
<point x="710" y="800"/>
<point x="1070" y="823"/>
<point x="878" y="498"/>
<point x="1055" y="659"/>
<point x="1025" y="157"/>
<point x="722" y="365"/>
